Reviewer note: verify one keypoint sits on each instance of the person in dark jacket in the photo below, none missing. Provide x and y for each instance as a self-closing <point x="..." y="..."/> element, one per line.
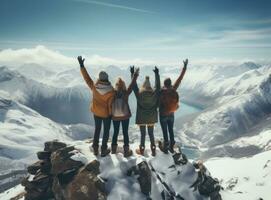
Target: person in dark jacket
<point x="168" y="104"/>
<point x="102" y="96"/>
<point x="146" y="113"/>
<point x="121" y="113"/>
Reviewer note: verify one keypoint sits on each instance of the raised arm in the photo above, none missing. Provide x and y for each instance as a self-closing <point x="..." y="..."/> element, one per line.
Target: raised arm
<point x="180" y="78"/>
<point x="84" y="72"/>
<point x="135" y="87"/>
<point x="157" y="79"/>
<point x="133" y="82"/>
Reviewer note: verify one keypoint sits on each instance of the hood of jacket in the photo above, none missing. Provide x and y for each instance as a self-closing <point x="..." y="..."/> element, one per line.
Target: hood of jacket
<point x="103" y="87"/>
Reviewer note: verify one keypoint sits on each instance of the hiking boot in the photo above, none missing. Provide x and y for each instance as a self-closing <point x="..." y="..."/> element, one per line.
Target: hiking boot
<point x="114" y="149"/>
<point x="95" y="150"/>
<point x="104" y="152"/>
<point x="127" y="151"/>
<point x="171" y="148"/>
<point x="163" y="147"/>
<point x="153" y="150"/>
<point x="140" y="150"/>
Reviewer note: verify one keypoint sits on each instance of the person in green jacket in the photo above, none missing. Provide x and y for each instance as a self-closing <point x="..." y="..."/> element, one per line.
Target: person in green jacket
<point x="147" y="105"/>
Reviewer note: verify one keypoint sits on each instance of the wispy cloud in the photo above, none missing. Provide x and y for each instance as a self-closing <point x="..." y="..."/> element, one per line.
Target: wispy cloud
<point x="114" y="6"/>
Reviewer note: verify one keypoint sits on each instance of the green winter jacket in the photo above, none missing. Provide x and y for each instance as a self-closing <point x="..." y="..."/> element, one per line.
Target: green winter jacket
<point x="147" y="103"/>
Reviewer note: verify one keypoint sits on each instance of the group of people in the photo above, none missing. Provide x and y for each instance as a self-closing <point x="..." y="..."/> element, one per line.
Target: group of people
<point x="112" y="104"/>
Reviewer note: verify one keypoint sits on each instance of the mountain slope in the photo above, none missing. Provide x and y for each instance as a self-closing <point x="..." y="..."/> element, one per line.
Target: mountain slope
<point x="47" y="100"/>
<point x="241" y="111"/>
<point x="244" y="178"/>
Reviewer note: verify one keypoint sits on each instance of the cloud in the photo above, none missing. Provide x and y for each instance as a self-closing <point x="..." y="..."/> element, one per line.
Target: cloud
<point x="39" y="55"/>
<point x="114" y="6"/>
<point x="54" y="59"/>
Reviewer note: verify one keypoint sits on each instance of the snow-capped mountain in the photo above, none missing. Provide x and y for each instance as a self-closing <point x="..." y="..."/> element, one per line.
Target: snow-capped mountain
<point x="234" y="122"/>
<point x="240" y="110"/>
<point x="48" y="100"/>
<point x="23" y="132"/>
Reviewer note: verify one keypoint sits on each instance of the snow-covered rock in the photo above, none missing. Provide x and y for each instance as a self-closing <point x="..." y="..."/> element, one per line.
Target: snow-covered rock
<point x="243" y="178"/>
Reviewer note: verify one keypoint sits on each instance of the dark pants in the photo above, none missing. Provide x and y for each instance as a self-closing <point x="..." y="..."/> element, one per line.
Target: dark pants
<point x="167" y="123"/>
<point x="125" y="126"/>
<point x="106" y="127"/>
<point x="143" y="135"/>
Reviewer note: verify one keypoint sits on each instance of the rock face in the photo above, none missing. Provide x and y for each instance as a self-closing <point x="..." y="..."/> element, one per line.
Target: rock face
<point x="57" y="176"/>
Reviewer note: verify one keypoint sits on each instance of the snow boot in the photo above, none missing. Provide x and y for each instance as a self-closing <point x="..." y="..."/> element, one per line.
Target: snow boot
<point x="140" y="150"/>
<point x="104" y="152"/>
<point x="153" y="150"/>
<point x="163" y="147"/>
<point x="171" y="148"/>
<point x="95" y="150"/>
<point x="127" y="151"/>
<point x="114" y="149"/>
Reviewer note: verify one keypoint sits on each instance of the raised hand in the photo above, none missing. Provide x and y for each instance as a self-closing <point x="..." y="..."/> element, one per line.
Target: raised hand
<point x="137" y="71"/>
<point x="156" y="70"/>
<point x="132" y="69"/>
<point x="185" y="63"/>
<point x="81" y="61"/>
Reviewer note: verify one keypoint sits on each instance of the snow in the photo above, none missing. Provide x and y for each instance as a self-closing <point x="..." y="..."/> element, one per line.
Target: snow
<point x="252" y="176"/>
<point x="240" y="110"/>
<point x="36" y="103"/>
<point x="12" y="192"/>
<point x="114" y="168"/>
<point x="24" y="131"/>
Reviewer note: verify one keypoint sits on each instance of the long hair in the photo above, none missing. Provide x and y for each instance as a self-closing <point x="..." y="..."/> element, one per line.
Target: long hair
<point x="120" y="85"/>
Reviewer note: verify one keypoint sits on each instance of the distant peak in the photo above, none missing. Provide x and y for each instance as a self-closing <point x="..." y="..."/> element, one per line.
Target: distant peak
<point x="251" y="65"/>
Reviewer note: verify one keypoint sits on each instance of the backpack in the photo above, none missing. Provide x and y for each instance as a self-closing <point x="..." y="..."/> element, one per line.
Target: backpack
<point x="169" y="100"/>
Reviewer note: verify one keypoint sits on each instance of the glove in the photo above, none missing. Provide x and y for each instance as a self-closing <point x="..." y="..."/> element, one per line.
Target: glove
<point x="136" y="71"/>
<point x="185" y="63"/>
<point x="132" y="69"/>
<point x="81" y="61"/>
<point x="156" y="70"/>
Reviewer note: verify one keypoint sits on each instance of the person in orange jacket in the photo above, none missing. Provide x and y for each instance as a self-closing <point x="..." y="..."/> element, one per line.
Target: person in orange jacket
<point x="121" y="113"/>
<point x="102" y="97"/>
<point x="169" y="103"/>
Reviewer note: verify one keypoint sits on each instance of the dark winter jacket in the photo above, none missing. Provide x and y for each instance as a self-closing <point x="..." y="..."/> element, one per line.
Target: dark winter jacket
<point x="147" y="103"/>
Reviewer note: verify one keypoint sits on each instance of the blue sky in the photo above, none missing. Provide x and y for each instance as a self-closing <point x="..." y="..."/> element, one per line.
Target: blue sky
<point x="146" y="29"/>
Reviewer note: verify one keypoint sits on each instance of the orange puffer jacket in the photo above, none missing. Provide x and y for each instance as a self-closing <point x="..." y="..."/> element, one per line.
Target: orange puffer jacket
<point x="102" y="96"/>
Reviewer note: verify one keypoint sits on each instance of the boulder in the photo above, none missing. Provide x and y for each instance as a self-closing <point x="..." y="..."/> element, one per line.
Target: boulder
<point x="44" y="155"/>
<point x="179" y="158"/>
<point x="144" y="178"/>
<point x="52" y="146"/>
<point x="61" y="161"/>
<point x="32" y="169"/>
<point x="66" y="176"/>
<point x="38" y="188"/>
<point x="85" y="185"/>
<point x="41" y="165"/>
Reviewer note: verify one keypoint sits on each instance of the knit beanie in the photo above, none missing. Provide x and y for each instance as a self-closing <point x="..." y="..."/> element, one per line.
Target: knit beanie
<point x="147" y="84"/>
<point x="103" y="76"/>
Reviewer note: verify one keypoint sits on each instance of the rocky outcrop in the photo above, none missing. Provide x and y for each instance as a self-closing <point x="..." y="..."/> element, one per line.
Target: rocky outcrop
<point x="57" y="176"/>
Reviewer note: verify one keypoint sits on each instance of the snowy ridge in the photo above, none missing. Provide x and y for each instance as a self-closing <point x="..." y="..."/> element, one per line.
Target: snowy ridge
<point x="23" y="133"/>
<point x="48" y="100"/>
<point x="233" y="116"/>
